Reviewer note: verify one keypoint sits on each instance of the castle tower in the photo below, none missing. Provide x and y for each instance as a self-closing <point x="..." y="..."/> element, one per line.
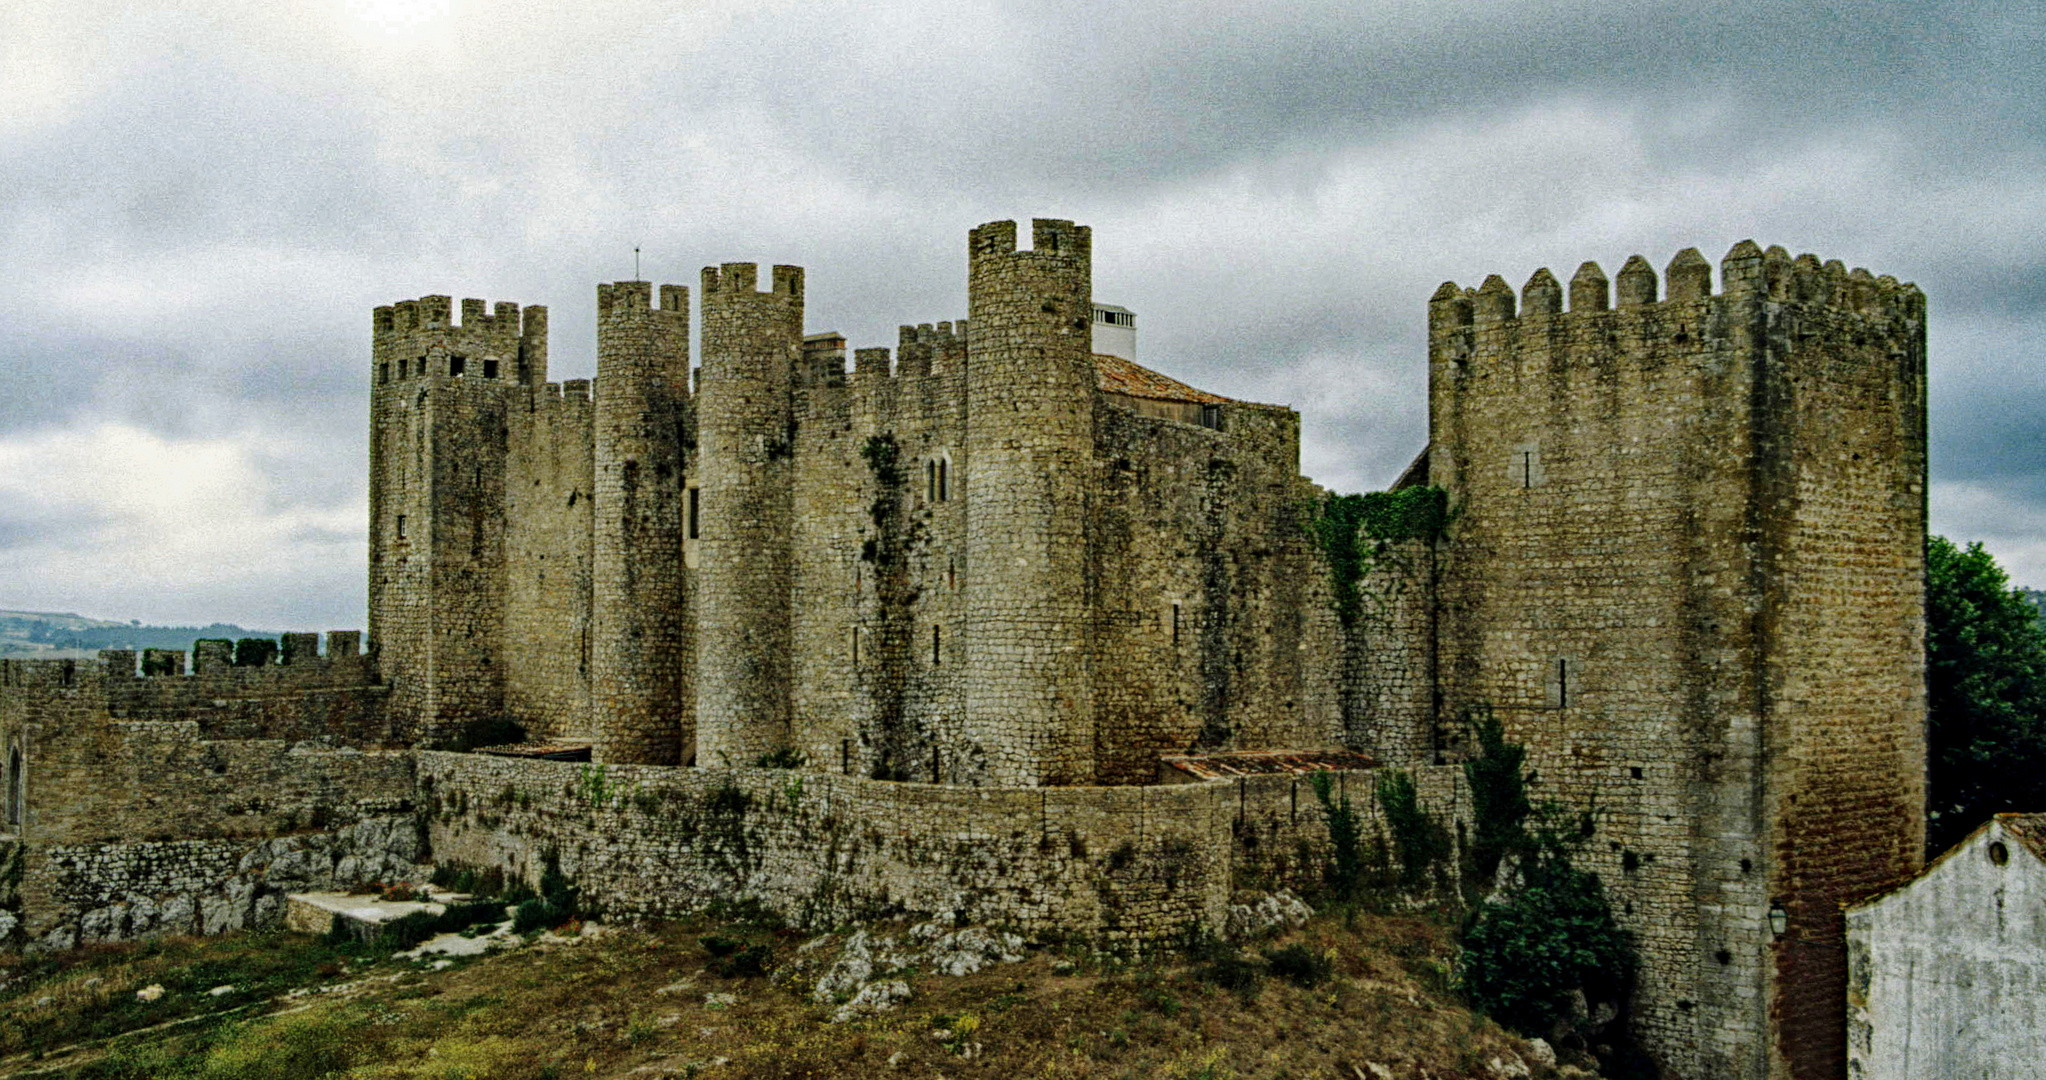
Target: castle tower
<point x="1029" y="451"/>
<point x="1686" y="570"/>
<point x="438" y="429"/>
<point x="640" y="679"/>
<point x="752" y="343"/>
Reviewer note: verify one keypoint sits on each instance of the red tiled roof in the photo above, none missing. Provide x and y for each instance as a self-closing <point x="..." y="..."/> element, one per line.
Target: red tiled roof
<point x="2029" y="829"/>
<point x="1266" y="762"/>
<point x="1115" y="375"/>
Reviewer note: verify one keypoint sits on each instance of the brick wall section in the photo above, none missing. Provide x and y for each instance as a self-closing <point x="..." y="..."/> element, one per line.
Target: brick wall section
<point x="548" y="499"/>
<point x="1029" y="444"/>
<point x="1631" y="554"/>
<point x="642" y="682"/>
<point x="752" y="341"/>
<point x="1122" y="865"/>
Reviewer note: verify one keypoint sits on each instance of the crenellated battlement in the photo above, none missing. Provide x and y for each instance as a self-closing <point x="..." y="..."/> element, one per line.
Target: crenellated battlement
<point x="1050" y="238"/>
<point x="414" y="339"/>
<point x="1747" y="272"/>
<point x="925" y="349"/>
<point x="736" y="279"/>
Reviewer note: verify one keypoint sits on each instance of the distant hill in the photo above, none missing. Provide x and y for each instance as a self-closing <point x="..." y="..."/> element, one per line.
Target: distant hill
<point x="46" y="635"/>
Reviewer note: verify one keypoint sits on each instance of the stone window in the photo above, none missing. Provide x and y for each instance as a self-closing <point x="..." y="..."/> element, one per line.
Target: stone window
<point x="1561" y="682"/>
<point x="401" y="526"/>
<point x="855" y="644"/>
<point x="944" y="480"/>
<point x="456" y="364"/>
<point x="14" y="786"/>
<point x="490" y="369"/>
<point x="695" y="510"/>
<point x="384" y="372"/>
<point x="1211" y="417"/>
<point x="1524" y="465"/>
<point x="931" y="480"/>
<point x="1175" y="622"/>
<point x="937" y="646"/>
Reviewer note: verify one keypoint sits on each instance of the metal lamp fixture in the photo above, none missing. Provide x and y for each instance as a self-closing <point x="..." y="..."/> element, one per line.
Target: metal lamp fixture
<point x="1779" y="920"/>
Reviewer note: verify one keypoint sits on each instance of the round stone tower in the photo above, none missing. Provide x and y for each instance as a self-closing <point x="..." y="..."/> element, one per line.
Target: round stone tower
<point x="642" y="712"/>
<point x="752" y="342"/>
<point x="1029" y="447"/>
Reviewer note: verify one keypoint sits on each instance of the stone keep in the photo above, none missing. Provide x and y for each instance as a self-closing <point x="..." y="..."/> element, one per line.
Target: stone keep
<point x="919" y="569"/>
<point x="1686" y="570"/>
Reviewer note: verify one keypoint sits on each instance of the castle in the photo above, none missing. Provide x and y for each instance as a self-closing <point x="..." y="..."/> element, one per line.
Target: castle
<point x="924" y="635"/>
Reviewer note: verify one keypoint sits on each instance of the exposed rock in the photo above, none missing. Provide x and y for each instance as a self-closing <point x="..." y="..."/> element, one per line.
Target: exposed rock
<point x="872" y="999"/>
<point x="1265" y="915"/>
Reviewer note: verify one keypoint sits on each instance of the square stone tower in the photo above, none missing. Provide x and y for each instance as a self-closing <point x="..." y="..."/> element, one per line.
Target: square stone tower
<point x="1686" y="570"/>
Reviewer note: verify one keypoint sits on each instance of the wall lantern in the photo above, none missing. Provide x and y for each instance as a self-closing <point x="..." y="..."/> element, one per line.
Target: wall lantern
<point x="1779" y="920"/>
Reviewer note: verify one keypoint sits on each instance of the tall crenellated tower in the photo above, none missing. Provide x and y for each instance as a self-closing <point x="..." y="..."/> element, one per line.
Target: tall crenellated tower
<point x="440" y="392"/>
<point x="752" y="343"/>
<point x="1030" y="384"/>
<point x="640" y="668"/>
<point x="1686" y="570"/>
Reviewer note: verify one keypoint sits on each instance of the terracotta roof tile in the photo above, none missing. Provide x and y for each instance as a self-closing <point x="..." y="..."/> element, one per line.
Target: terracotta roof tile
<point x="2029" y="829"/>
<point x="1115" y="375"/>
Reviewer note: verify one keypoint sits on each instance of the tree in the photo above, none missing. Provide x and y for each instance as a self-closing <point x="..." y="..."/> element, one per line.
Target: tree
<point x="1985" y="675"/>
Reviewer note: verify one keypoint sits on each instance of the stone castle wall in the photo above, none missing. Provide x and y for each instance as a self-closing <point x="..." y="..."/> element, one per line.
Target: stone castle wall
<point x="548" y="547"/>
<point x="1673" y="578"/>
<point x="1122" y="865"/>
<point x="128" y="827"/>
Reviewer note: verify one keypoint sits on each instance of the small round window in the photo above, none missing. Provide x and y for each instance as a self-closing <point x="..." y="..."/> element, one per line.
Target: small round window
<point x="1999" y="854"/>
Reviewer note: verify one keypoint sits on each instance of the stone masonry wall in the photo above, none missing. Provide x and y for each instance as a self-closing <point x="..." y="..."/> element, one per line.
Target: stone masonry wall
<point x="1659" y="516"/>
<point x="548" y="498"/>
<point x="1030" y="384"/>
<point x="1121" y="865"/>
<point x="642" y="658"/>
<point x="752" y="342"/>
<point x="1212" y="626"/>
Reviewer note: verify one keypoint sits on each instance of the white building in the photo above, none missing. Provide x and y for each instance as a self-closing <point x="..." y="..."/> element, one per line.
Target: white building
<point x="1946" y="974"/>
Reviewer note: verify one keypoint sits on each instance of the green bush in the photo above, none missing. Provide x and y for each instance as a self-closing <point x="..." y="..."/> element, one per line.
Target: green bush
<point x="784" y="758"/>
<point x="1418" y="840"/>
<point x="1550" y="933"/>
<point x="537" y="914"/>
<point x="1525" y="954"/>
<point x="1345" y="870"/>
<point x="255" y="652"/>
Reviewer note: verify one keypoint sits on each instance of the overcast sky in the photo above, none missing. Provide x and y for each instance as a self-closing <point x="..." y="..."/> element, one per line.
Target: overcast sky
<point x="201" y="202"/>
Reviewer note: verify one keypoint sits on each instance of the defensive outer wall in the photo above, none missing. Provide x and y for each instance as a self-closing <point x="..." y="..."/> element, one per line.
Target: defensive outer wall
<point x="978" y="587"/>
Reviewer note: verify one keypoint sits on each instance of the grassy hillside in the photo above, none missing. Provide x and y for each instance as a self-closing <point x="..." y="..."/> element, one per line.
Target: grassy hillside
<point x="34" y="635"/>
<point x="1364" y="998"/>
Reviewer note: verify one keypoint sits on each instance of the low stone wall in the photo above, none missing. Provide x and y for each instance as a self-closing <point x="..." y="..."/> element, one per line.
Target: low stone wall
<point x="1120" y="865"/>
<point x="79" y="894"/>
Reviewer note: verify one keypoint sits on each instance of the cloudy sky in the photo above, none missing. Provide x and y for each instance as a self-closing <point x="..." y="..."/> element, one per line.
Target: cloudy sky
<point x="200" y="203"/>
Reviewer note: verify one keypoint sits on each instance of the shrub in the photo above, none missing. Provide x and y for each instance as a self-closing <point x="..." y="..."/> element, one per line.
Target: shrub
<point x="1345" y="871"/>
<point x="255" y="652"/>
<point x="784" y="758"/>
<point x="537" y="914"/>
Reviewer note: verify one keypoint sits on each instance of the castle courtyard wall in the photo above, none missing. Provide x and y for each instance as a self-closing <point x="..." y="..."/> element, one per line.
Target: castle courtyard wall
<point x="1120" y="865"/>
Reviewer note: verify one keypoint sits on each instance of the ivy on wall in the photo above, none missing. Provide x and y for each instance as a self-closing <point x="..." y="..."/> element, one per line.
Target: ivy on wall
<point x="1355" y="531"/>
